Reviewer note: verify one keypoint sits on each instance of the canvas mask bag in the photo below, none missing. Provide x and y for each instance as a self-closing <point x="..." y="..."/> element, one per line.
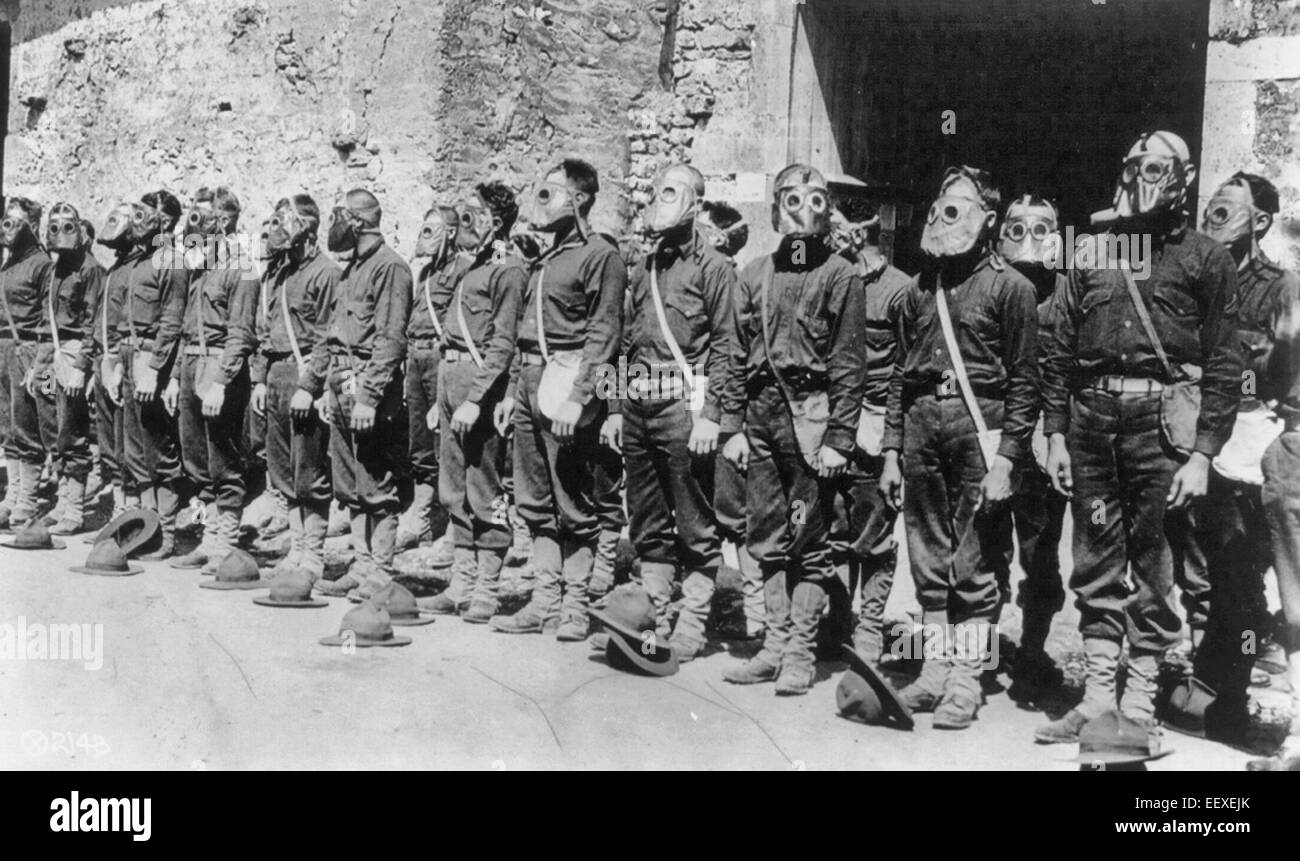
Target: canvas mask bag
<point x="559" y="371"/>
<point x="66" y="353"/>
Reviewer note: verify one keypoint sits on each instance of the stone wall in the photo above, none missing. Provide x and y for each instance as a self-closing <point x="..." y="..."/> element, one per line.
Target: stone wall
<point x="411" y="98"/>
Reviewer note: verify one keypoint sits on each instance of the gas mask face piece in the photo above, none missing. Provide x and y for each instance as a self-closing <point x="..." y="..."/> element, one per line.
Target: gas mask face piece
<point x="674" y="201"/>
<point x="63" y="232"/>
<point x="15" y="229"/>
<point x="436" y="234"/>
<point x="145" y="222"/>
<point x="802" y="203"/>
<point x="350" y="220"/>
<point x="1027" y="232"/>
<point x="477" y="225"/>
<point x="1231" y="214"/>
<point x="116" y="232"/>
<point x="957" y="219"/>
<point x="727" y="240"/>
<point x="553" y="205"/>
<point x="1155" y="178"/>
<point x="286" y="229"/>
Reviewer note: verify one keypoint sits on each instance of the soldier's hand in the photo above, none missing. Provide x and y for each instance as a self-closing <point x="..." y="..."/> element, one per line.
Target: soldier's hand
<point x="146" y="388"/>
<point x="830" y="462"/>
<point x="431" y="417"/>
<point x="737" y="451"/>
<point x="465" y="417"/>
<point x="213" y="400"/>
<point x="258" y="400"/>
<point x="611" y="432"/>
<point x="29" y="383"/>
<point x="1058" y="465"/>
<point x="996" y="486"/>
<point x="1190" y="481"/>
<point x="76" y="383"/>
<point x="325" y="408"/>
<point x="566" y="420"/>
<point x="503" y="414"/>
<point x="172" y="396"/>
<point x="363" y="418"/>
<point x="300" y="405"/>
<point x="704" y="437"/>
<point x="891" y="479"/>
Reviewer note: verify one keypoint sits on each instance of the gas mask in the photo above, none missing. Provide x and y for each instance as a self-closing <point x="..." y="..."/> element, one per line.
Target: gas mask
<point x="286" y="229"/>
<point x="1231" y="216"/>
<point x="801" y="203"/>
<point x="145" y="222"/>
<point x="202" y="227"/>
<point x="349" y="222"/>
<point x="958" y="219"/>
<point x="63" y="232"/>
<point x="15" y="230"/>
<point x="727" y="240"/>
<point x="1155" y="178"/>
<point x="553" y="205"/>
<point x="437" y="234"/>
<point x="116" y="232"/>
<point x="1026" y="241"/>
<point x="477" y="225"/>
<point x="674" y="201"/>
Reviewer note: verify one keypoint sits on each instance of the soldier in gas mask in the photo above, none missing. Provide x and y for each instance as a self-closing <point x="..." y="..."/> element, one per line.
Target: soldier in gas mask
<point x="62" y="372"/>
<point x="360" y="363"/>
<point x="963" y="401"/>
<point x="1124" y="367"/>
<point x="792" y="397"/>
<point x="677" y="326"/>
<point x="299" y="290"/>
<point x="24" y="282"/>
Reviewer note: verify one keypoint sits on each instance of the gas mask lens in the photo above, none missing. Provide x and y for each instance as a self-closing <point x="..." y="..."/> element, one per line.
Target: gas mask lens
<point x="794" y="200"/>
<point x="1151" y="169"/>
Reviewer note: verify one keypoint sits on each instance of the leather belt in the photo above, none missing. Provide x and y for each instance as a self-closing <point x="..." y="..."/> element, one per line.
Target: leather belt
<point x="532" y="359"/>
<point x="1116" y="384"/>
<point x="450" y="355"/>
<point x="942" y="391"/>
<point x="138" y="343"/>
<point x="196" y="350"/>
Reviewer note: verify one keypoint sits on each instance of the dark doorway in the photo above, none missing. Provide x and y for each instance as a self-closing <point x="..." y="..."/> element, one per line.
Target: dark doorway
<point x="1047" y="94"/>
<point x="6" y="34"/>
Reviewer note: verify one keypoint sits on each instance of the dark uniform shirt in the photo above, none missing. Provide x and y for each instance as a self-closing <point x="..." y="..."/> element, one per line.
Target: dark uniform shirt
<point x="26" y="279"/>
<point x="697" y="286"/>
<point x="368" y="321"/>
<point x="488" y="296"/>
<point x="221" y="313"/>
<point x="108" y="313"/>
<point x="78" y="288"/>
<point x="884" y="299"/>
<point x="153" y="304"/>
<point x="435" y="287"/>
<point x="305" y="291"/>
<point x="1282" y="380"/>
<point x="1266" y="292"/>
<point x="994" y="313"/>
<point x="1191" y="293"/>
<point x="582" y="287"/>
<point x="816" y="320"/>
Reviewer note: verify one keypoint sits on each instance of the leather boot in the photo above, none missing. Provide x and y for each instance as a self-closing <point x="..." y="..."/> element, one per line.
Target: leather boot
<point x="1102" y="664"/>
<point x="799" y="663"/>
<point x="751" y="584"/>
<point x="521" y="540"/>
<point x="602" y="569"/>
<point x="73" y="518"/>
<point x="382" y="526"/>
<point x="24" y="510"/>
<point x="455" y="598"/>
<point x="688" y="638"/>
<point x="55" y="514"/>
<point x="967" y="653"/>
<point x="1141" y="674"/>
<point x="868" y="632"/>
<point x="13" y="481"/>
<point x="293" y="559"/>
<point x="413" y="526"/>
<point x="359" y="571"/>
<point x="543" y="609"/>
<point x="657" y="580"/>
<point x="765" y="666"/>
<point x="483" y="604"/>
<point x="579" y="558"/>
<point x="280" y="518"/>
<point x="315" y="522"/>
<point x="1034" y="671"/>
<point x="198" y="557"/>
<point x="167" y="503"/>
<point x="225" y="538"/>
<point x="923" y="693"/>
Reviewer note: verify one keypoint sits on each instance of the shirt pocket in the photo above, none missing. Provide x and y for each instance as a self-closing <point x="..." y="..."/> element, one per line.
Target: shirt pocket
<point x="684" y="313"/>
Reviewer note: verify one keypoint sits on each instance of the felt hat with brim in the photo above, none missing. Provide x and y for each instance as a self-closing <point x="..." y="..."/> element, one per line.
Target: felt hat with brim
<point x="1184" y="711"/>
<point x="855" y="702"/>
<point x="237" y="570"/>
<point x="630" y="614"/>
<point x="33" y="536"/>
<point x="400" y="604"/>
<point x="132" y="530"/>
<point x="365" y="625"/>
<point x="1113" y="739"/>
<point x="291" y="588"/>
<point x="628" y="657"/>
<point x="106" y="559"/>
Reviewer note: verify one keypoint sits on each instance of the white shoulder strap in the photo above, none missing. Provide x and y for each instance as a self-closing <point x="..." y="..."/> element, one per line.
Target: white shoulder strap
<point x="464" y="327"/>
<point x="959" y="368"/>
<point x="663" y="327"/>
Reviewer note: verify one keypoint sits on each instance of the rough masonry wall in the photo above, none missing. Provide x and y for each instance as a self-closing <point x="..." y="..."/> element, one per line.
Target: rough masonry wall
<point x="411" y="98"/>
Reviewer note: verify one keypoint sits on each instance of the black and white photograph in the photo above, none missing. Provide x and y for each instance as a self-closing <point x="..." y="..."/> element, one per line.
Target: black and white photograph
<point x="650" y="385"/>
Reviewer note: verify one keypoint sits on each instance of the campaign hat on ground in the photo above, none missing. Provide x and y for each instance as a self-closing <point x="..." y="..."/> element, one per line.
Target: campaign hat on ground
<point x="106" y="559"/>
<point x="365" y="625"/>
<point x="237" y="571"/>
<point x="1185" y="709"/>
<point x="400" y="604"/>
<point x="1114" y="739"/>
<point x="863" y="694"/>
<point x="132" y="530"/>
<point x="290" y="588"/>
<point x="33" y="536"/>
<point x="634" y="646"/>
